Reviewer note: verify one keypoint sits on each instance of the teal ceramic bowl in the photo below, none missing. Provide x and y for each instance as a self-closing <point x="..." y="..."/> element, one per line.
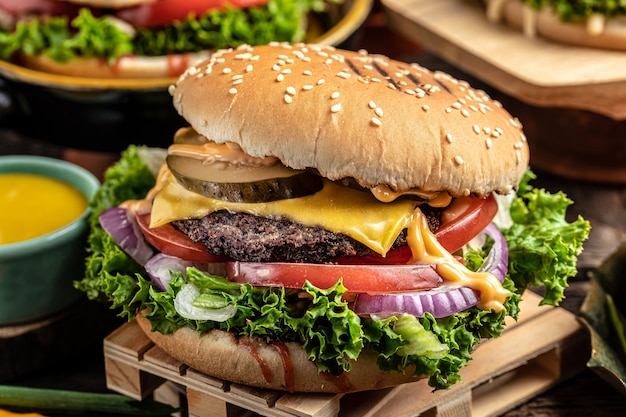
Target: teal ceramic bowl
<point x="36" y="275"/>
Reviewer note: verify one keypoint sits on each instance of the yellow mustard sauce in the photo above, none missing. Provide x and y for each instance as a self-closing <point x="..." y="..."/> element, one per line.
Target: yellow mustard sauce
<point x="33" y="205"/>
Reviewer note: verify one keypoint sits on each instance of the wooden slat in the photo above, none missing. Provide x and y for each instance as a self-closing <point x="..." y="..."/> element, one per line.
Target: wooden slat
<point x="533" y="70"/>
<point x="128" y="339"/>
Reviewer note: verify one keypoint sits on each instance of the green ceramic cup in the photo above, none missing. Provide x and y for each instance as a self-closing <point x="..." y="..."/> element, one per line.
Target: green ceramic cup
<point x="36" y="275"/>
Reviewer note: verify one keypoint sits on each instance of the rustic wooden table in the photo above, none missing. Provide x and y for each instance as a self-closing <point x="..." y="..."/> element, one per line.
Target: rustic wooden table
<point x="604" y="205"/>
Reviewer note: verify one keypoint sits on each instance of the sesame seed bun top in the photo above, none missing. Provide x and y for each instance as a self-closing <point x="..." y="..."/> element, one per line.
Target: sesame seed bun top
<point x="353" y="115"/>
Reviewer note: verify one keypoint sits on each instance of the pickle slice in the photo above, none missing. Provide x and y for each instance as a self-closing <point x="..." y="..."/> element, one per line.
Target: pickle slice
<point x="243" y="184"/>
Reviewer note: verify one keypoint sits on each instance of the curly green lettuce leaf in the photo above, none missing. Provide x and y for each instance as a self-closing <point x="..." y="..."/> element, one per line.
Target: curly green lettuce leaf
<point x="87" y="36"/>
<point x="543" y="245"/>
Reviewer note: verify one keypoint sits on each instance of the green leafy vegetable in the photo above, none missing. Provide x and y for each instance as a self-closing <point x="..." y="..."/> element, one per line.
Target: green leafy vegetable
<point x="580" y="10"/>
<point x="323" y="322"/>
<point x="87" y="36"/>
<point x="543" y="245"/>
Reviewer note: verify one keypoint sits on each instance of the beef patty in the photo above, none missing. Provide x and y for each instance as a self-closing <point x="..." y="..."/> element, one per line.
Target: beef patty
<point x="248" y="238"/>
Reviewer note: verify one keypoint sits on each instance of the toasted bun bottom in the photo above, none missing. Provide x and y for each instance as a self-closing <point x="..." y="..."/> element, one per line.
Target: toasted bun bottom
<point x="124" y="67"/>
<point x="251" y="361"/>
<point x="547" y="24"/>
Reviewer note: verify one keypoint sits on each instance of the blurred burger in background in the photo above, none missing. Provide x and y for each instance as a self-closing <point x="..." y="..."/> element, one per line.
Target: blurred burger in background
<point x="140" y="38"/>
<point x="589" y="23"/>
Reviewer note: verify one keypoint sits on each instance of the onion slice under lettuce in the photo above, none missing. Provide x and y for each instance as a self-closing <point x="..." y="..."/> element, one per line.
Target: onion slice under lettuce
<point x="123" y="229"/>
<point x="161" y="266"/>
<point x="442" y="301"/>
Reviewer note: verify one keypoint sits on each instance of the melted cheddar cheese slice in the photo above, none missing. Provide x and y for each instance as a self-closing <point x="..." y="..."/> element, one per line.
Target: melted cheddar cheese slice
<point x="338" y="209"/>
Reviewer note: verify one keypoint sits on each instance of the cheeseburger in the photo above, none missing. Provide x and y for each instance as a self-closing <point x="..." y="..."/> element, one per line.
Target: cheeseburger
<point x="327" y="223"/>
<point x="140" y="38"/>
<point x="595" y="24"/>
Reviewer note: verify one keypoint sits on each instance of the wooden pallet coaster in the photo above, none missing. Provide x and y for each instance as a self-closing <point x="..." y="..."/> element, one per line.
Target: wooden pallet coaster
<point x="545" y="346"/>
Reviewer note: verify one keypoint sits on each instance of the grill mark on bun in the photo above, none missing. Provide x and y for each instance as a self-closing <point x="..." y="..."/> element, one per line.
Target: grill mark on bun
<point x="386" y="76"/>
<point x="443" y="85"/>
<point x="353" y="67"/>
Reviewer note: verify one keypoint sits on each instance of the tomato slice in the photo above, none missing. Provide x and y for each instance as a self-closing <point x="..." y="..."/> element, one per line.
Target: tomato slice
<point x="454" y="234"/>
<point x="356" y="278"/>
<point x="175" y="243"/>
<point x="164" y="12"/>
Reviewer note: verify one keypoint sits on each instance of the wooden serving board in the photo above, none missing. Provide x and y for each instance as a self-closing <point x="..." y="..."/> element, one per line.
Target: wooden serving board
<point x="545" y="346"/>
<point x="533" y="70"/>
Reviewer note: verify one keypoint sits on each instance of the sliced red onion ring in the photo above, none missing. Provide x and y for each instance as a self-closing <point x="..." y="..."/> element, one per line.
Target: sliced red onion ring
<point x="440" y="302"/>
<point x="160" y="266"/>
<point x="124" y="230"/>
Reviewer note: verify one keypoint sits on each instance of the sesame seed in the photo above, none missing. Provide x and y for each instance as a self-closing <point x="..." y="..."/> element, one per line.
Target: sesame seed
<point x="237" y="81"/>
<point x="425" y="107"/>
<point x="487" y="130"/>
<point x="335" y="108"/>
<point x="466" y="192"/>
<point x="476" y="129"/>
<point x="489" y="143"/>
<point x="375" y="80"/>
<point x="328" y="61"/>
<point x="465" y="113"/>
<point x="237" y="77"/>
<point x="518" y="145"/>
<point x="307" y="87"/>
<point x="233" y="90"/>
<point x="376" y="121"/>
<point x="288" y="99"/>
<point x="495" y="134"/>
<point x="410" y="92"/>
<point x="379" y="112"/>
<point x="343" y="75"/>
<point x="456" y="105"/>
<point x="280" y="77"/>
<point x="371" y="105"/>
<point x="448" y="110"/>
<point x="276" y="67"/>
<point x="523" y="136"/>
<point x="458" y="160"/>
<point x="249" y="68"/>
<point x="226" y="70"/>
<point x="321" y="81"/>
<point x="449" y="138"/>
<point x="291" y="90"/>
<point x="307" y="72"/>
<point x="334" y="95"/>
<point x="518" y="156"/>
<point x="286" y="71"/>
